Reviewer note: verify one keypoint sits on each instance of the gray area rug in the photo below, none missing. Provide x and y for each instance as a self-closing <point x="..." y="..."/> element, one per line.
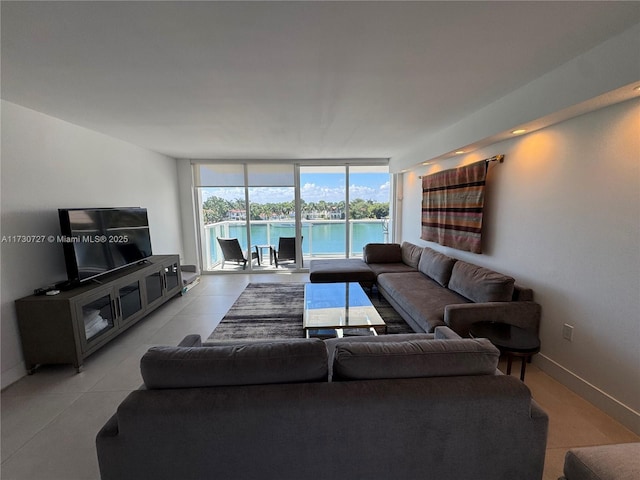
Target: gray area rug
<point x="274" y="311"/>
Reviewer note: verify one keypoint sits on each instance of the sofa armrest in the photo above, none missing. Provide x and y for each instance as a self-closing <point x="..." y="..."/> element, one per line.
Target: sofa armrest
<point x="522" y="294"/>
<point x="445" y="333"/>
<point x="603" y="462"/>
<point x="110" y="429"/>
<point x="193" y="340"/>
<point x="537" y="413"/>
<point x="460" y="317"/>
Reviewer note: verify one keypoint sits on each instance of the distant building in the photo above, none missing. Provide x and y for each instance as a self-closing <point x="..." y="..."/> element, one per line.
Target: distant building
<point x="324" y="215"/>
<point x="237" y="215"/>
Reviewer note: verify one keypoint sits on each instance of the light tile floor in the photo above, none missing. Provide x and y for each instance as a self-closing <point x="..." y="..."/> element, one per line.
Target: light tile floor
<point x="50" y="419"/>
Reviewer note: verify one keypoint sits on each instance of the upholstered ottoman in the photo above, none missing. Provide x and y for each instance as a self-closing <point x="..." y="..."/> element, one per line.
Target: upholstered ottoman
<point x="606" y="462"/>
<point x="341" y="270"/>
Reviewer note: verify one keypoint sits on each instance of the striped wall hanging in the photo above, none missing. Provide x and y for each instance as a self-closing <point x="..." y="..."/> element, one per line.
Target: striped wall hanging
<point x="452" y="204"/>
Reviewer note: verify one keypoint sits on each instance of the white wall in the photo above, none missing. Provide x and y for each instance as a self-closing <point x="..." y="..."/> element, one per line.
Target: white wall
<point x="562" y="215"/>
<point x="49" y="164"/>
<point x="566" y="91"/>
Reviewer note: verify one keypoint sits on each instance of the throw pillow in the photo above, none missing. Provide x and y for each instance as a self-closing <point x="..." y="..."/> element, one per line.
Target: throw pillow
<point x="436" y="265"/>
<point x="382" y="253"/>
<point x="411" y="254"/>
<point x="480" y="284"/>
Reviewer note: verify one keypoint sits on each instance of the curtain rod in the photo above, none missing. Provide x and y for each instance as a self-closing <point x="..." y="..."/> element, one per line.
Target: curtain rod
<point x="495" y="158"/>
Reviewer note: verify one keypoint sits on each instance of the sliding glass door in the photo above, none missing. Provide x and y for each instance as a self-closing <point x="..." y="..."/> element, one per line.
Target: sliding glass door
<point x="331" y="211"/>
<point x="222" y="211"/>
<point x="323" y="203"/>
<point x="369" y="198"/>
<point x="272" y="211"/>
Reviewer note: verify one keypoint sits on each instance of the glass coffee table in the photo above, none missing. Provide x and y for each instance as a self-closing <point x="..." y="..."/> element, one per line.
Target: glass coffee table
<point x="330" y="308"/>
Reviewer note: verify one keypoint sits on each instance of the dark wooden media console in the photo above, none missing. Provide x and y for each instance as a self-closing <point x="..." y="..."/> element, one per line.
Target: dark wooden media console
<point x="70" y="326"/>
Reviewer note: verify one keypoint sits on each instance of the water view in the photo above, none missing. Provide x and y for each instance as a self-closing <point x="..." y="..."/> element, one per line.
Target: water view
<point x="320" y="239"/>
<point x="336" y="205"/>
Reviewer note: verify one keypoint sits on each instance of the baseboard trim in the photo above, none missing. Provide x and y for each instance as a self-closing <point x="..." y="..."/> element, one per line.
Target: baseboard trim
<point x="605" y="402"/>
<point x="12" y="375"/>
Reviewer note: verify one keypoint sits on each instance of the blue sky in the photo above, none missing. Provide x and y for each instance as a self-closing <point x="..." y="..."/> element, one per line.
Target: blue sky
<point x="330" y="187"/>
<point x="315" y="187"/>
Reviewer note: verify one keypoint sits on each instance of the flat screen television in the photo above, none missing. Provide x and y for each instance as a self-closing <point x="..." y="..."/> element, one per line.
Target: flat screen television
<point x="100" y="240"/>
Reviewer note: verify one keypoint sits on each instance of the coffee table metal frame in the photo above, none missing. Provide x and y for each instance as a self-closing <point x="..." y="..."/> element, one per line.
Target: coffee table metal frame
<point x="339" y="306"/>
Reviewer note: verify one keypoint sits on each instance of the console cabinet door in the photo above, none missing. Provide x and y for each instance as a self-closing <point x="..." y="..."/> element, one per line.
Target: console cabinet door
<point x="154" y="288"/>
<point x="163" y="283"/>
<point x="173" y="279"/>
<point x="129" y="301"/>
<point x="96" y="318"/>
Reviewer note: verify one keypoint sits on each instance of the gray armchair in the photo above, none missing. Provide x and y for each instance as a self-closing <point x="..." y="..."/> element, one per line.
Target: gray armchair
<point x="603" y="462"/>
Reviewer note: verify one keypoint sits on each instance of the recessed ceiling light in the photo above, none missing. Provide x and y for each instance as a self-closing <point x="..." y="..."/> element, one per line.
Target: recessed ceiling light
<point x="459" y="152"/>
<point x="518" y="131"/>
<point x="427" y="163"/>
<point x="637" y="89"/>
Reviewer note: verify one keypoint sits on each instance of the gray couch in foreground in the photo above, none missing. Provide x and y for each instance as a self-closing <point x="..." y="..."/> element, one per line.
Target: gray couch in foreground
<point x="419" y="408"/>
<point x="429" y="289"/>
<point x="603" y="462"/>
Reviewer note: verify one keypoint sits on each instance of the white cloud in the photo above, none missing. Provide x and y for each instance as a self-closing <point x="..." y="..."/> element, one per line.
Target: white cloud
<point x="309" y="192"/>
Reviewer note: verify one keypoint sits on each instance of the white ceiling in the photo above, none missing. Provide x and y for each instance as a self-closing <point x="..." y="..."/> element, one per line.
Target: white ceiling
<point x="286" y="79"/>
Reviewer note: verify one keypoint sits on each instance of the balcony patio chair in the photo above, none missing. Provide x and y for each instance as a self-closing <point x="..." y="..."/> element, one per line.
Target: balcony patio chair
<point x="231" y="252"/>
<point x="286" y="250"/>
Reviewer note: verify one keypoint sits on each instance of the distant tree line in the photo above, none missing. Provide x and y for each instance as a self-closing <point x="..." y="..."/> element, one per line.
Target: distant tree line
<point x="216" y="209"/>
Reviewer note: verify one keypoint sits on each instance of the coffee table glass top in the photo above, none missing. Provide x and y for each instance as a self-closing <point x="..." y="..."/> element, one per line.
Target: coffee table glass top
<point x="338" y="305"/>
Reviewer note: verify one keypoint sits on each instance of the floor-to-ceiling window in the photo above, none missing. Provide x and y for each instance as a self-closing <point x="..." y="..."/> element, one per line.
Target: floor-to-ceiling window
<point x="222" y="210"/>
<point x="369" y="201"/>
<point x="272" y="210"/>
<point x="331" y="210"/>
<point x="323" y="195"/>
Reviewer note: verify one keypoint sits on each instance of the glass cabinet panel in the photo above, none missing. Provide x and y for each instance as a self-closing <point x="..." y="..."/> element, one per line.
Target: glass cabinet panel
<point x="171" y="273"/>
<point x="130" y="299"/>
<point x="154" y="286"/>
<point x="97" y="317"/>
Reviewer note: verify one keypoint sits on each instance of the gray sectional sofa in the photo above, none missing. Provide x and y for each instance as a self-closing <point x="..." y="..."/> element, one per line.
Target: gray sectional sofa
<point x="429" y="406"/>
<point x="429" y="289"/>
<point x="603" y="462"/>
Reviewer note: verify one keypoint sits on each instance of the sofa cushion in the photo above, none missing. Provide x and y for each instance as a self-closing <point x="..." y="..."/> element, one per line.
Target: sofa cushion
<point x="378" y="268"/>
<point x="415" y="295"/>
<point x="382" y="253"/>
<point x="340" y="270"/>
<point x="411" y="254"/>
<point x="414" y="358"/>
<point x="287" y="361"/>
<point x="437" y="266"/>
<point x="332" y="343"/>
<point x="480" y="284"/>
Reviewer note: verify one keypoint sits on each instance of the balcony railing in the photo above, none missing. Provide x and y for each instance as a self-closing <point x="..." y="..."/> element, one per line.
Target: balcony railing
<point x="321" y="238"/>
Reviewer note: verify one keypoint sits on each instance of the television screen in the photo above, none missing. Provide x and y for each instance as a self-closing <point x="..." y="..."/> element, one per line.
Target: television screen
<point x="99" y="240"/>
